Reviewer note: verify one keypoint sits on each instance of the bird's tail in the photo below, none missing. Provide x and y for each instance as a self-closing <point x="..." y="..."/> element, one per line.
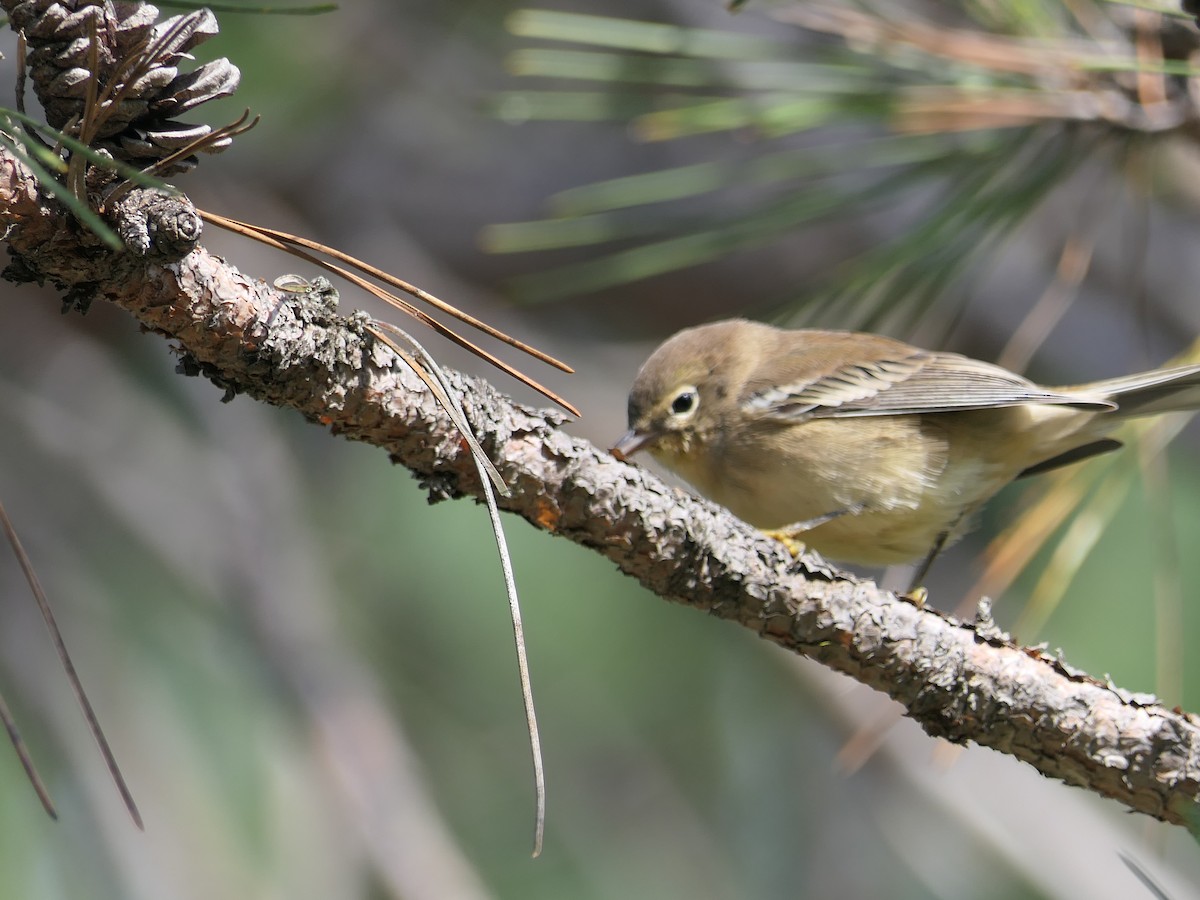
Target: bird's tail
<point x="1150" y="393"/>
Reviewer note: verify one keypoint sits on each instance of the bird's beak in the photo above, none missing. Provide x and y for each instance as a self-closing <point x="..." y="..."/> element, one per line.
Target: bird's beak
<point x="631" y="442"/>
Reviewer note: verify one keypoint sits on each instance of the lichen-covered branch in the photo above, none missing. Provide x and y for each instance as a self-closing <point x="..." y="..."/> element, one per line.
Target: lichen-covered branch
<point x="964" y="681"/>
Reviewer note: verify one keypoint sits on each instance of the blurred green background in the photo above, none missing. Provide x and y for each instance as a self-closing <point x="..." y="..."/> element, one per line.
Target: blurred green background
<point x="306" y="671"/>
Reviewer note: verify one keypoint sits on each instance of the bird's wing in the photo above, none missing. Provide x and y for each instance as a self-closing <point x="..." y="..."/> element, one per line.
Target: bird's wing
<point x="907" y="383"/>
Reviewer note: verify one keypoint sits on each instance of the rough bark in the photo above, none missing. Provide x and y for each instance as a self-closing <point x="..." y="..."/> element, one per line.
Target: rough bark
<point x="964" y="681"/>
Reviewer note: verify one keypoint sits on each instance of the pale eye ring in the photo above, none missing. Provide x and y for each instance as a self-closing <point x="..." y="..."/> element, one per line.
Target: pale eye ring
<point x="685" y="402"/>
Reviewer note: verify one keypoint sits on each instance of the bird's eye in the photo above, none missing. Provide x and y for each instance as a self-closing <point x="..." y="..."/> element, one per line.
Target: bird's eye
<point x="685" y="402"/>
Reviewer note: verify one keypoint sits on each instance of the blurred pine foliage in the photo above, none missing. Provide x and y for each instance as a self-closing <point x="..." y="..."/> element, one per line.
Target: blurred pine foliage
<point x="964" y="117"/>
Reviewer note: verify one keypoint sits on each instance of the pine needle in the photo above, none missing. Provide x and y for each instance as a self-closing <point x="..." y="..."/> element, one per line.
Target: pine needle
<point x="60" y="647"/>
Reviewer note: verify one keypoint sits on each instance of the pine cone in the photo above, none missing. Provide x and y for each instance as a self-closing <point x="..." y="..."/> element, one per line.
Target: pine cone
<point x="137" y="63"/>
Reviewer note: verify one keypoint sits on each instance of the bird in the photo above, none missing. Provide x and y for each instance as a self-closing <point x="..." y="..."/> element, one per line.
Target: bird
<point x="866" y="449"/>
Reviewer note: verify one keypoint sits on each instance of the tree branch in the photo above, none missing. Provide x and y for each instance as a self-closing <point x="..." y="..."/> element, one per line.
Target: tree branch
<point x="964" y="681"/>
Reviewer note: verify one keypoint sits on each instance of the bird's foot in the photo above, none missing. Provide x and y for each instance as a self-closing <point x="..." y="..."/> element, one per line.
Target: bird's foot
<point x="789" y="534"/>
<point x="790" y="541"/>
